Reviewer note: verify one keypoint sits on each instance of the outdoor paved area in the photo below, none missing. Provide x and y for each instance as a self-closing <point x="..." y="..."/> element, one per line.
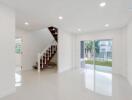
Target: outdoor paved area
<point x="98" y="67"/>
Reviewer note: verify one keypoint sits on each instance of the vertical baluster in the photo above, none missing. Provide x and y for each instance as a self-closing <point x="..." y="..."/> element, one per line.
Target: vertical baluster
<point x="50" y="52"/>
<point x="44" y="58"/>
<point x="42" y="61"/>
<point x="47" y="55"/>
<point x="52" y="49"/>
<point x="39" y="62"/>
<point x="55" y="47"/>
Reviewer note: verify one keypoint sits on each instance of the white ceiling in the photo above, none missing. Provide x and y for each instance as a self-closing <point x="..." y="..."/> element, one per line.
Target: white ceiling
<point x="84" y="14"/>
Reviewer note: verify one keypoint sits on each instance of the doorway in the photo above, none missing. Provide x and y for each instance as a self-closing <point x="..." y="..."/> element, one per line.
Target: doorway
<point x="18" y="51"/>
<point x="96" y="63"/>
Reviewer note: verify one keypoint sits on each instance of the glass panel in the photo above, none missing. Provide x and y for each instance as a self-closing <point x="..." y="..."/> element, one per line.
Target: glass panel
<point x="103" y="67"/>
<point x="18" y="46"/>
<point x="103" y="55"/>
<point x="82" y="61"/>
<point x="96" y="63"/>
<point x="89" y="54"/>
<point x="88" y="66"/>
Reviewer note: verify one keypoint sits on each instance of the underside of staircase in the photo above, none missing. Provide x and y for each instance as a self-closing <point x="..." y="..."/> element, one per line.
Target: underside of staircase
<point x="45" y="58"/>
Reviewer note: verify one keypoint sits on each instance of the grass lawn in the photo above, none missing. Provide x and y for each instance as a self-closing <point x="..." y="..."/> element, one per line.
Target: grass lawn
<point x="102" y="63"/>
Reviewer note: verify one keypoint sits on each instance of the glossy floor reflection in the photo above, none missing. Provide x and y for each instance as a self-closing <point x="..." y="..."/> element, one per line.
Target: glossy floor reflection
<point x="18" y="79"/>
<point x="71" y="85"/>
<point x="98" y="82"/>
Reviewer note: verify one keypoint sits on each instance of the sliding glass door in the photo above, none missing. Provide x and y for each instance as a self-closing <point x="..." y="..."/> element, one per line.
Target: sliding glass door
<point x="103" y="55"/>
<point x="88" y="64"/>
<point x="96" y="63"/>
<point x="103" y="67"/>
<point x="89" y="54"/>
<point x="96" y="54"/>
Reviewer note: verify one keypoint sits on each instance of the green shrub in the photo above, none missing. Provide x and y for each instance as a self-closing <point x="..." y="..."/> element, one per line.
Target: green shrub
<point x="102" y="63"/>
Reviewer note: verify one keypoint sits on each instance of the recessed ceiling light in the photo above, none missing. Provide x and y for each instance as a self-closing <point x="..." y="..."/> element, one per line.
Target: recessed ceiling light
<point x="106" y="25"/>
<point x="60" y="17"/>
<point x="26" y="23"/>
<point x="79" y="29"/>
<point x="102" y="4"/>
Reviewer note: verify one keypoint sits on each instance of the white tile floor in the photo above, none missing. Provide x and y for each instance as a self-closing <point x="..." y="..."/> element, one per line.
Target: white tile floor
<point x="70" y="85"/>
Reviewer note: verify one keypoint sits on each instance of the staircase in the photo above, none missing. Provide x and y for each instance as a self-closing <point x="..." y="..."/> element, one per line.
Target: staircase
<point x="54" y="32"/>
<point x="48" y="53"/>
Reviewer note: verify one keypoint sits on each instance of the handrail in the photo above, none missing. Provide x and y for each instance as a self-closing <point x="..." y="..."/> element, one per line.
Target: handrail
<point x="52" y="43"/>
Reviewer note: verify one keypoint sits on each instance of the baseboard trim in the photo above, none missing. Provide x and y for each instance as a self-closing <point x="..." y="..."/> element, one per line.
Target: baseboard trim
<point x="7" y="92"/>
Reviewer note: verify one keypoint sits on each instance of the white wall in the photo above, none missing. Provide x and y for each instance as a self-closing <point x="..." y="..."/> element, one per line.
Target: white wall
<point x="118" y="49"/>
<point x="33" y="43"/>
<point x="7" y="51"/>
<point x="129" y="52"/>
<point x="64" y="51"/>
